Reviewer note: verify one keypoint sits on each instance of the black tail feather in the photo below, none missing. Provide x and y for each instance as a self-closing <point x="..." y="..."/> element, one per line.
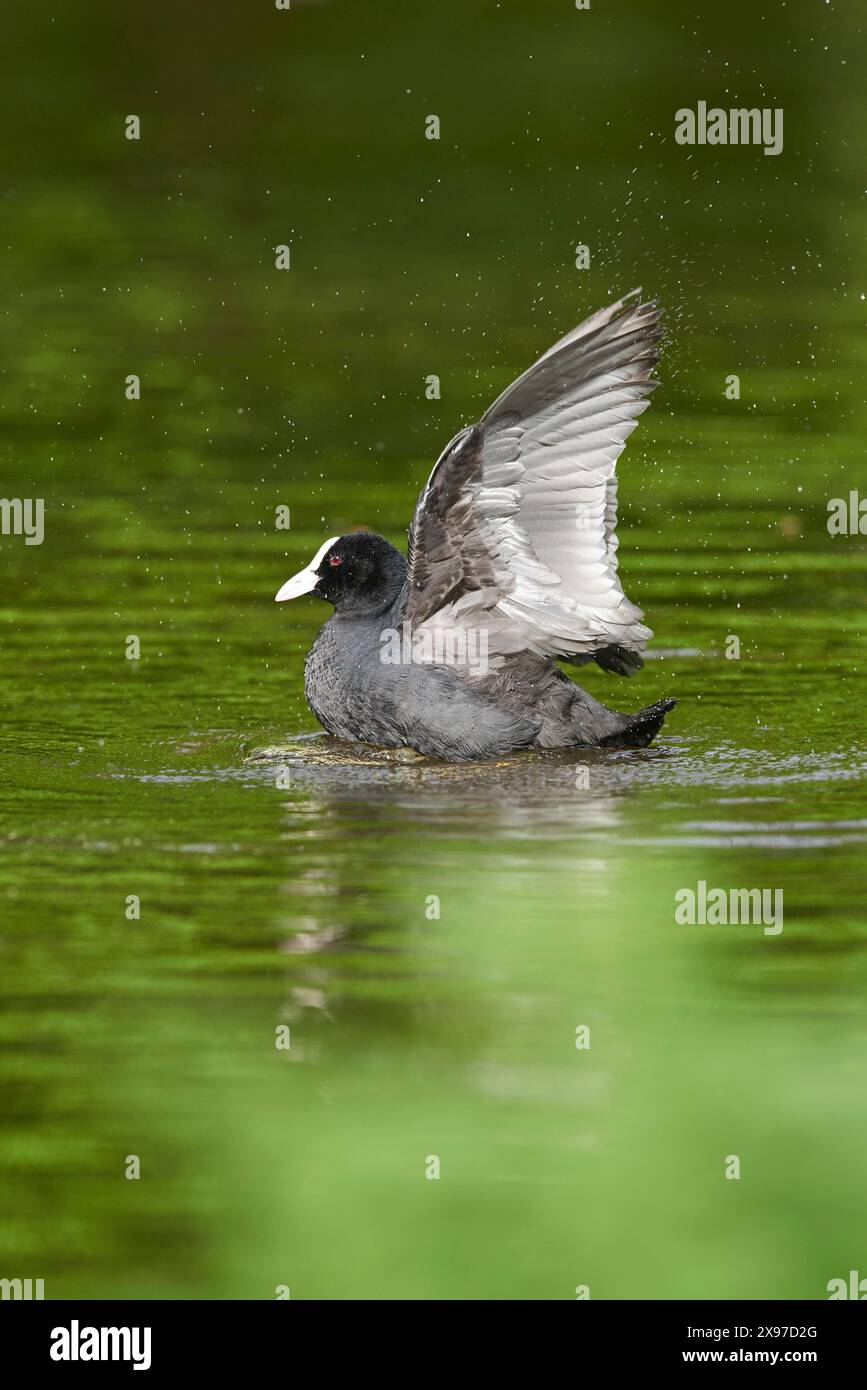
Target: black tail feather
<point x="641" y="728"/>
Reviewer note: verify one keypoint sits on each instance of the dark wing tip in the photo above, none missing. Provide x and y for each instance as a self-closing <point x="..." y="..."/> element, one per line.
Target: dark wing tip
<point x="619" y="659"/>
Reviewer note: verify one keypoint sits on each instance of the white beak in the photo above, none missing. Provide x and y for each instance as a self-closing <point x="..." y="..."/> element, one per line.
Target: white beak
<point x="306" y="579"/>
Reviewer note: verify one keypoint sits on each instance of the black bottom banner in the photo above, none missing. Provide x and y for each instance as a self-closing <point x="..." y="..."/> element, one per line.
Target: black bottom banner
<point x="155" y="1338"/>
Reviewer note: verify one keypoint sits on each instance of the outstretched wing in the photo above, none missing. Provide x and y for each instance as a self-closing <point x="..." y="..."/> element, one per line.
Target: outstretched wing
<point x="515" y="530"/>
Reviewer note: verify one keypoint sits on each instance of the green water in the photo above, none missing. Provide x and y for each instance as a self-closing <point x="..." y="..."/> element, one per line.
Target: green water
<point x="307" y="905"/>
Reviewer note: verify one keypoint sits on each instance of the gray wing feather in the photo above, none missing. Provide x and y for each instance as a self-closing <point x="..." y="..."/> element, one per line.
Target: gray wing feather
<point x="515" y="530"/>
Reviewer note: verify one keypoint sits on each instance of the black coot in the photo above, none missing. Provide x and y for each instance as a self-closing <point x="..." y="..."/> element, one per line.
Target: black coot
<point x="511" y="566"/>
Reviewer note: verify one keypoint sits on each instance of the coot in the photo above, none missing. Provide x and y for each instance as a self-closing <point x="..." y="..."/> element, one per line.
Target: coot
<point x="511" y="567"/>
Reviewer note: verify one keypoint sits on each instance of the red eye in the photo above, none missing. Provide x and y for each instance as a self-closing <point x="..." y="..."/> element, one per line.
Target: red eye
<point x="335" y="560"/>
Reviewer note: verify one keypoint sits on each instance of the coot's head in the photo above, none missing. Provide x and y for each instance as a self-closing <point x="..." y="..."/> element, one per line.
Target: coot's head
<point x="358" y="573"/>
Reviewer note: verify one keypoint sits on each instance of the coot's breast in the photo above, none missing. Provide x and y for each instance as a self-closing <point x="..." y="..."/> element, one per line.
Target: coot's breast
<point x="352" y="692"/>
